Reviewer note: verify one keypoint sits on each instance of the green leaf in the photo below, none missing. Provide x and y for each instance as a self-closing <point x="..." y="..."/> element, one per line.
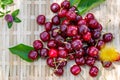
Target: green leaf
<point x="15" y="13"/>
<point x="22" y="51"/>
<point x="2" y="12"/>
<point x="8" y="12"/>
<point x="16" y="19"/>
<point x="4" y="3"/>
<point x="74" y="2"/>
<point x="86" y="5"/>
<point x="1" y="16"/>
<point x="10" y="24"/>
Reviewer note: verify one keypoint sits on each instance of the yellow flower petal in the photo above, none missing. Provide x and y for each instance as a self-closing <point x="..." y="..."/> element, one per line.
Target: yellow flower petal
<point x="109" y="53"/>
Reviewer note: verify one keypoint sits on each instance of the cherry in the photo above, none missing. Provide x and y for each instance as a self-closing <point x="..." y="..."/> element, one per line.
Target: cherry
<point x="91" y="42"/>
<point x="9" y="18"/>
<point x="62" y="13"/>
<point x="99" y="28"/>
<point x="76" y="37"/>
<point x="66" y="22"/>
<point x="61" y="62"/>
<point x="83" y="29"/>
<point x="96" y="34"/>
<point x="62" y="53"/>
<point x="71" y="15"/>
<point x="80" y="61"/>
<point x="48" y="26"/>
<point x="79" y="53"/>
<point x="93" y="51"/>
<point x="82" y="22"/>
<point x="51" y="44"/>
<point x="45" y="36"/>
<point x="72" y="30"/>
<point x="55" y="7"/>
<point x="55" y="20"/>
<point x="71" y="56"/>
<point x="75" y="70"/>
<point x="63" y="28"/>
<point x="44" y="52"/>
<point x="50" y="62"/>
<point x="87" y="36"/>
<point x="100" y="44"/>
<point x="65" y="4"/>
<point x="53" y="53"/>
<point x="77" y="44"/>
<point x="93" y="71"/>
<point x="68" y="47"/>
<point x="90" y="61"/>
<point x="106" y="64"/>
<point x="59" y="40"/>
<point x="93" y="23"/>
<point x="107" y="37"/>
<point x="55" y="32"/>
<point x="37" y="44"/>
<point x="33" y="55"/>
<point x="89" y="16"/>
<point x="41" y="19"/>
<point x="78" y="18"/>
<point x="59" y="72"/>
<point x="73" y="8"/>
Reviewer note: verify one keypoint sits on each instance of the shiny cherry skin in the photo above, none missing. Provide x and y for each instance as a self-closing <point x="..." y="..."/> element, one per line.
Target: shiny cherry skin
<point x="96" y="34"/>
<point x="62" y="63"/>
<point x="106" y="64"/>
<point x="79" y="53"/>
<point x="48" y="26"/>
<point x="59" y="40"/>
<point x="87" y="36"/>
<point x="90" y="61"/>
<point x="77" y="44"/>
<point x="65" y="4"/>
<point x="80" y="61"/>
<point x="66" y="22"/>
<point x="93" y="51"/>
<point x="93" y="23"/>
<point x="100" y="44"/>
<point x="50" y="62"/>
<point x="93" y="71"/>
<point x="75" y="70"/>
<point x="89" y="16"/>
<point x="68" y="47"/>
<point x="91" y="42"/>
<point x="53" y="53"/>
<point x="63" y="28"/>
<point x="44" y="52"/>
<point x="45" y="36"/>
<point x="83" y="29"/>
<point x="73" y="8"/>
<point x="108" y="37"/>
<point x="51" y="44"/>
<point x="59" y="71"/>
<point x="33" y="55"/>
<point x="62" y="13"/>
<point x="71" y="15"/>
<point x="55" y="32"/>
<point x="82" y="22"/>
<point x="62" y="53"/>
<point x="55" y="7"/>
<point x="71" y="56"/>
<point x="72" y="30"/>
<point x="37" y="44"/>
<point x="41" y="19"/>
<point x="55" y="20"/>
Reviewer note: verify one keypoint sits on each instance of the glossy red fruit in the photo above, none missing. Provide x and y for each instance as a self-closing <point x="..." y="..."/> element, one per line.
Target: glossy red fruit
<point x="106" y="64"/>
<point x="91" y="42"/>
<point x="50" y="62"/>
<point x="82" y="22"/>
<point x="79" y="53"/>
<point x="100" y="44"/>
<point x="73" y="8"/>
<point x="66" y="22"/>
<point x="59" y="40"/>
<point x="65" y="4"/>
<point x="45" y="36"/>
<point x="75" y="70"/>
<point x="68" y="47"/>
<point x="51" y="44"/>
<point x="83" y="29"/>
<point x="61" y="63"/>
<point x="77" y="44"/>
<point x="71" y="15"/>
<point x="87" y="36"/>
<point x="59" y="72"/>
<point x="41" y="19"/>
<point x="90" y="61"/>
<point x="37" y="44"/>
<point x="99" y="28"/>
<point x="89" y="16"/>
<point x="93" y="23"/>
<point x="53" y="53"/>
<point x="80" y="61"/>
<point x="93" y="71"/>
<point x="62" y="53"/>
<point x="48" y="26"/>
<point x="55" y="20"/>
<point x="63" y="28"/>
<point x="62" y="13"/>
<point x="96" y="34"/>
<point x="55" y="7"/>
<point x="108" y="37"/>
<point x="72" y="30"/>
<point x="55" y="32"/>
<point x="71" y="56"/>
<point x="33" y="55"/>
<point x="93" y="51"/>
<point x="76" y="37"/>
<point x="44" y="52"/>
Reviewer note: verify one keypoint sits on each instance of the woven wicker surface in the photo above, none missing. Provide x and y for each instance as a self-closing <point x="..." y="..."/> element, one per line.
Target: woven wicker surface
<point x="13" y="68"/>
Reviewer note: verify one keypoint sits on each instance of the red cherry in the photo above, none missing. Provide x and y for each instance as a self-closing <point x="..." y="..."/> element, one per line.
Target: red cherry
<point x="93" y="71"/>
<point x="37" y="44"/>
<point x="59" y="72"/>
<point x="33" y="55"/>
<point x="87" y="36"/>
<point x="53" y="53"/>
<point x="93" y="51"/>
<point x="75" y="70"/>
<point x="72" y="30"/>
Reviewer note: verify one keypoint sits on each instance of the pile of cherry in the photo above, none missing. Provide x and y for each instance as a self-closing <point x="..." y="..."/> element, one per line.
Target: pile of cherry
<point x="69" y="36"/>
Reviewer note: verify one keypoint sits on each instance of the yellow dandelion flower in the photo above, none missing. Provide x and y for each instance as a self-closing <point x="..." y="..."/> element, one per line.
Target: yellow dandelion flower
<point x="109" y="53"/>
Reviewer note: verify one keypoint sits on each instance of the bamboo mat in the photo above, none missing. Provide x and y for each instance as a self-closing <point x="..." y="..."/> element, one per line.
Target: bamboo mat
<point x="13" y="68"/>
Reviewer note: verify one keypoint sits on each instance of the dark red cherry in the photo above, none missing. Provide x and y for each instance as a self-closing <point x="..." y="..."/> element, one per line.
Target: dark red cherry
<point x="59" y="72"/>
<point x="55" y="32"/>
<point x="48" y="26"/>
<point x="90" y="61"/>
<point x="75" y="70"/>
<point x="71" y="56"/>
<point x="76" y="37"/>
<point x="53" y="53"/>
<point x="68" y="47"/>
<point x="93" y="51"/>
<point x="77" y="44"/>
<point x="59" y="40"/>
<point x="55" y="7"/>
<point x="91" y="42"/>
<point x="51" y="44"/>
<point x="50" y="62"/>
<point x="37" y="44"/>
<point x="45" y="36"/>
<point x="80" y="61"/>
<point x="62" y="13"/>
<point x="100" y="44"/>
<point x="93" y="23"/>
<point x="44" y="52"/>
<point x="63" y="28"/>
<point x="108" y="37"/>
<point x="55" y="20"/>
<point x="106" y="64"/>
<point x="87" y="36"/>
<point x="79" y="53"/>
<point x="96" y="34"/>
<point x="83" y="29"/>
<point x="82" y="22"/>
<point x="73" y="8"/>
<point x="66" y="22"/>
<point x="41" y="19"/>
<point x="33" y="55"/>
<point x="65" y="4"/>
<point x="71" y="15"/>
<point x="61" y="62"/>
<point x="89" y="16"/>
<point x="62" y="53"/>
<point x="93" y="71"/>
<point x="72" y="30"/>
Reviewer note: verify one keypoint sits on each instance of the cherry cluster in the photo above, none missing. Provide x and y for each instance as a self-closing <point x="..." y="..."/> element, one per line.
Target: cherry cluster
<point x="69" y="36"/>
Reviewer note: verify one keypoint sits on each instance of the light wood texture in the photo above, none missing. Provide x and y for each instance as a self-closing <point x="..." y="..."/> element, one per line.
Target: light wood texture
<point x="13" y="68"/>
